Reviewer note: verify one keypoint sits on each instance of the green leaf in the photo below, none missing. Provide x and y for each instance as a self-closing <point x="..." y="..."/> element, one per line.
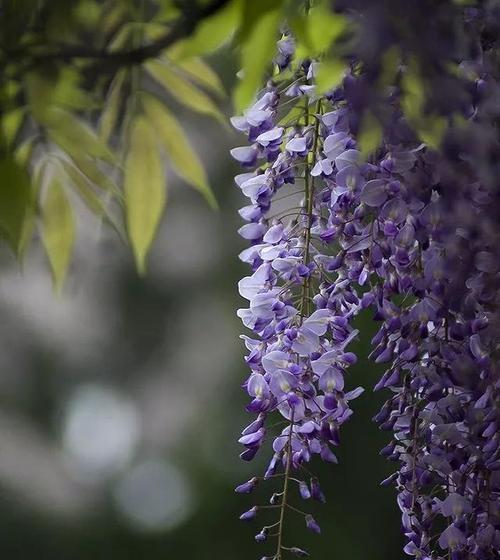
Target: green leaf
<point x="182" y="156"/>
<point x="414" y="92"/>
<point x="145" y="189"/>
<point x="91" y="199"/>
<point x="152" y="30"/>
<point x="11" y="122"/>
<point x="253" y="10"/>
<point x="256" y="53"/>
<point x="370" y="135"/>
<point x="214" y="31"/>
<point x="199" y="72"/>
<point x="58" y="230"/>
<point x="294" y="113"/>
<point x="167" y="12"/>
<point x="46" y="92"/>
<point x="330" y="73"/>
<point x="183" y="91"/>
<point x="88" y="13"/>
<point x="16" y="202"/>
<point x="390" y="64"/>
<point x="323" y="26"/>
<point x="75" y="136"/>
<point x="120" y="38"/>
<point x="299" y="27"/>
<point x="111" y="110"/>
<point x="431" y="130"/>
<point x="84" y="188"/>
<point x="22" y="153"/>
<point x="95" y="175"/>
<point x="113" y="16"/>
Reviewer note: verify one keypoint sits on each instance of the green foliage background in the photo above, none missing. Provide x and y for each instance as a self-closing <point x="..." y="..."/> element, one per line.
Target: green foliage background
<point x="89" y="92"/>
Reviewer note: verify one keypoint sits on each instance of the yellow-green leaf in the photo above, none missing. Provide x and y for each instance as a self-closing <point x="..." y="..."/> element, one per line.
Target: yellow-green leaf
<point x="200" y="72"/>
<point x="183" y="91"/>
<point x="145" y="189"/>
<point x="91" y="199"/>
<point x="58" y="230"/>
<point x="324" y="27"/>
<point x="330" y="73"/>
<point x="95" y="175"/>
<point x="431" y="130"/>
<point x="16" y="202"/>
<point x="184" y="159"/>
<point x="317" y="30"/>
<point x="11" y="123"/>
<point x="47" y="92"/>
<point x="370" y="135"/>
<point x="214" y="31"/>
<point x="88" y="13"/>
<point x="294" y="113"/>
<point x="121" y="37"/>
<point x="83" y="188"/>
<point x="256" y="53"/>
<point x="413" y="92"/>
<point x="111" y="110"/>
<point x="112" y="17"/>
<point x="167" y="12"/>
<point x="75" y="137"/>
<point x="22" y="153"/>
<point x="390" y="63"/>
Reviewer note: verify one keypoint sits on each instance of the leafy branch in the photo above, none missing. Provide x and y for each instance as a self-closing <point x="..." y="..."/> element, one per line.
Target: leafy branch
<point x="183" y="27"/>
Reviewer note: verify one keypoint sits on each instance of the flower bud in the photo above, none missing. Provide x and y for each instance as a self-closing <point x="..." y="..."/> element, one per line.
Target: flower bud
<point x="312" y="525"/>
<point x="249" y="515"/>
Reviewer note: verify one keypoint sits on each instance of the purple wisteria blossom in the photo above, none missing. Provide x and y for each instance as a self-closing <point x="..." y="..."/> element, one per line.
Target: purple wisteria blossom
<point x="412" y="236"/>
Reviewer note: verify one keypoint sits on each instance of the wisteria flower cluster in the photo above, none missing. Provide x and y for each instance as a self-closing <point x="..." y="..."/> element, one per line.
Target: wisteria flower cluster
<point x="412" y="235"/>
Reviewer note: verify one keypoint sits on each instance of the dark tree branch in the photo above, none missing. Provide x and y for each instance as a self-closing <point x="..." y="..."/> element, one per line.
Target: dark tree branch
<point x="183" y="27"/>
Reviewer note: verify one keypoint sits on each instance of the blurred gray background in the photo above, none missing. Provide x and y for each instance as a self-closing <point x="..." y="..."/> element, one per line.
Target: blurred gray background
<point x="120" y="401"/>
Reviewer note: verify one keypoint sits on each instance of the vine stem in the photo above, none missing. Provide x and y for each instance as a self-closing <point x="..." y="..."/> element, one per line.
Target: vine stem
<point x="309" y="187"/>
<point x="181" y="28"/>
<point x="285" y="489"/>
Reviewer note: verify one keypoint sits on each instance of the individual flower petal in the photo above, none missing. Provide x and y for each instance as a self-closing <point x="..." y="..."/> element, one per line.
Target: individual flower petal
<point x="246" y="155"/>
<point x="312" y="525"/>
<point x="269" y="136"/>
<point x="335" y="144"/>
<point x="452" y="537"/>
<point x="318" y="321"/>
<point x="374" y="193"/>
<point x="275" y="360"/>
<point x="297" y="145"/>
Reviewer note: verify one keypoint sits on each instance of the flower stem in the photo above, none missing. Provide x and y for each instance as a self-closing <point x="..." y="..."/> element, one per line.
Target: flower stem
<point x="309" y="190"/>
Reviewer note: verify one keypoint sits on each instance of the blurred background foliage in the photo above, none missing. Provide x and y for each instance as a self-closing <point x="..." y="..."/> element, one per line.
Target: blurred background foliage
<point x="90" y="94"/>
<point x="119" y="402"/>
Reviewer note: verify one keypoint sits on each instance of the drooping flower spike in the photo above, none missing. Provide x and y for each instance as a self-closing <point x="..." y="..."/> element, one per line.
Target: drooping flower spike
<point x="410" y="235"/>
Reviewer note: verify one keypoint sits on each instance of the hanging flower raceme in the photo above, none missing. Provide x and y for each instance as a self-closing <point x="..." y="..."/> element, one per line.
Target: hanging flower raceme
<point x="412" y="236"/>
<point x="298" y="355"/>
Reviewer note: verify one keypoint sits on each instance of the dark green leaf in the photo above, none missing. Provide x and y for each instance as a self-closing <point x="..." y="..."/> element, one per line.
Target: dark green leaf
<point x="16" y="202"/>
